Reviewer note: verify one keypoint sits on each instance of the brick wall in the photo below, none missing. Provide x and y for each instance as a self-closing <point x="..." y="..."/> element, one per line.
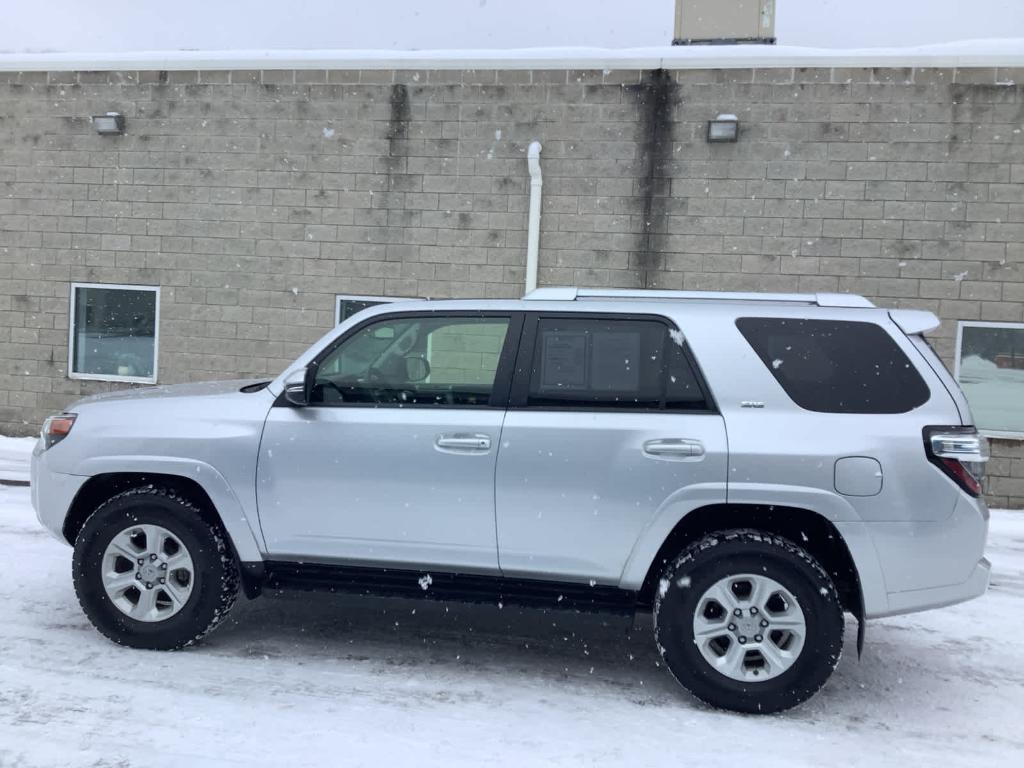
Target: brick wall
<point x="252" y="198"/>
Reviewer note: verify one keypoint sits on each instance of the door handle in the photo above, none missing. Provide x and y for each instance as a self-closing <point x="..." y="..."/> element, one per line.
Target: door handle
<point x="463" y="442"/>
<point x="674" y="446"/>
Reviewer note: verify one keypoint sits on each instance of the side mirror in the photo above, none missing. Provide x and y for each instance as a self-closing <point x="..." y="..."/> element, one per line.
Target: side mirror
<point x="298" y="387"/>
<point x="416" y="368"/>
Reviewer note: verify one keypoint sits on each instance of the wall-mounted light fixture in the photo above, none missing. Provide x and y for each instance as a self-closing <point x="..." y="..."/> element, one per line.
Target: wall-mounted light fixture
<point x="723" y="128"/>
<point x="110" y="124"/>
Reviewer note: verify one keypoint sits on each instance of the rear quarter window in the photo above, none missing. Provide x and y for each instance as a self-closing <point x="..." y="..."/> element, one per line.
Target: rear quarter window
<point x="836" y="366"/>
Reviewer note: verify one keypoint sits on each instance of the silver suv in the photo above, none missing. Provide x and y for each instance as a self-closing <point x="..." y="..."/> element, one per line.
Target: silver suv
<point x="748" y="467"/>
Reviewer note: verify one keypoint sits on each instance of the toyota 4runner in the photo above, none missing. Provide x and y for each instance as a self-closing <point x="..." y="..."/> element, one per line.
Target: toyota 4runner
<point x="748" y="467"/>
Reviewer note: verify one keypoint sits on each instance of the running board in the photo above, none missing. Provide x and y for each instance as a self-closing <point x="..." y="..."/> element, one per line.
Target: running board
<point x="440" y="585"/>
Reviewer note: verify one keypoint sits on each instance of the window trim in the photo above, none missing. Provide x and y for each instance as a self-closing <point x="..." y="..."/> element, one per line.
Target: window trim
<point x="72" y="374"/>
<point x="502" y="374"/>
<point x="340" y="297"/>
<point x="960" y="325"/>
<point x="520" y="392"/>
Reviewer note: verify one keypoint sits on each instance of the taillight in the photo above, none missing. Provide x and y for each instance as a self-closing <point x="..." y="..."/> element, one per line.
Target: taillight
<point x="960" y="452"/>
<point x="56" y="428"/>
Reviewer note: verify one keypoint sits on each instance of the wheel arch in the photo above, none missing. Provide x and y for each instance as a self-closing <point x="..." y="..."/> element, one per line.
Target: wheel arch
<point x="98" y="488"/>
<point x="805" y="528"/>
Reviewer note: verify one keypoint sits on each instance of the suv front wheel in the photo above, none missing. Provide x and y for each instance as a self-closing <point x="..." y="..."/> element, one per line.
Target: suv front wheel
<point x="149" y="572"/>
<point x="748" y="621"/>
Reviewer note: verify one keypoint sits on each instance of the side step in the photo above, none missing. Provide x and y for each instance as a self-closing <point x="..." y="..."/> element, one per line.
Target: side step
<point x="440" y="585"/>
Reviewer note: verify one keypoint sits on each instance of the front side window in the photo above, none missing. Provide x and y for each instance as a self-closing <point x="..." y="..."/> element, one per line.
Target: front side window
<point x="609" y="363"/>
<point x="113" y="333"/>
<point x="990" y="370"/>
<point x="423" y="361"/>
<point x="836" y="366"/>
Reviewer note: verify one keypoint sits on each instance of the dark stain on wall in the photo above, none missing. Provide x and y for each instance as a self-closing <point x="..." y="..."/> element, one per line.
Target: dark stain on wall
<point x="656" y="97"/>
<point x="398" y="127"/>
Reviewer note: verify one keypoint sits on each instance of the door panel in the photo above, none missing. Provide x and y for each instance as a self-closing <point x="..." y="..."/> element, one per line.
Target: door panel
<point x="609" y="419"/>
<point x="575" y="491"/>
<point x="394" y="460"/>
<point x="374" y="485"/>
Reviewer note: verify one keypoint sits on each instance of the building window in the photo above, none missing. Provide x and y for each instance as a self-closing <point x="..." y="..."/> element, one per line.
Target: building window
<point x="114" y="332"/>
<point x="990" y="370"/>
<point x="346" y="306"/>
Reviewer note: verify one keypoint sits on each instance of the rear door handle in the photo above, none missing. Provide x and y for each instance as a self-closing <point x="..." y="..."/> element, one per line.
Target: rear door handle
<point x="674" y="447"/>
<point x="463" y="442"/>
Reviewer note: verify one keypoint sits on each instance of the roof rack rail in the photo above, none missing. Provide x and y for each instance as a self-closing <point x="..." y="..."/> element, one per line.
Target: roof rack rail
<point x="814" y="299"/>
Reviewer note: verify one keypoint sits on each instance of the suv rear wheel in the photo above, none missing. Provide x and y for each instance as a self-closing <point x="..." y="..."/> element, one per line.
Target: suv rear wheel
<point x="748" y="621"/>
<point x="150" y="572"/>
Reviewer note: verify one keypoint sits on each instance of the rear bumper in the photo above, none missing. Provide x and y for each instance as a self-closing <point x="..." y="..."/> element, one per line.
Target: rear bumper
<point x="937" y="597"/>
<point x="931" y="564"/>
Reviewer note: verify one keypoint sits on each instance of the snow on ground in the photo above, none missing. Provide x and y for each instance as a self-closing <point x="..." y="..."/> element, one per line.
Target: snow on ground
<point x="316" y="679"/>
<point x="14" y="458"/>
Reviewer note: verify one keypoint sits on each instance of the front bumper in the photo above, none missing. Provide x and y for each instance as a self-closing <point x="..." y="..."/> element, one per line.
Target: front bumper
<point x="52" y="493"/>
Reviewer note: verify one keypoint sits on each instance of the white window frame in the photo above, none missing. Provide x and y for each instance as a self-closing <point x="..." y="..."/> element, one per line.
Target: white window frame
<point x="997" y="433"/>
<point x="72" y="374"/>
<point x="353" y="297"/>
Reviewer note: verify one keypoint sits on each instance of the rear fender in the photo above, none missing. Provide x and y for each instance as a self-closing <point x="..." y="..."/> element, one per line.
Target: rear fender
<point x="830" y="506"/>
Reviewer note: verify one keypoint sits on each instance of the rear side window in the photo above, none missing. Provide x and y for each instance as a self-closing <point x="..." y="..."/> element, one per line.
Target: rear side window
<point x="836" y="366"/>
<point x="608" y="363"/>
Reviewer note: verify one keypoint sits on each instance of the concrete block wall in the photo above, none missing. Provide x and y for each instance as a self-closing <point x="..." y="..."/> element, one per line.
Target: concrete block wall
<point x="253" y="197"/>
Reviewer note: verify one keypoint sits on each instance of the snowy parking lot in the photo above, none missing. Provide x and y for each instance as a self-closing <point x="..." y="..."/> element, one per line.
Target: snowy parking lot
<point x="315" y="679"/>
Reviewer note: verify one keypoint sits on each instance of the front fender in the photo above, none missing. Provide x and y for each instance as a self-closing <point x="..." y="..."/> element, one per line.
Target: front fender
<point x="244" y="535"/>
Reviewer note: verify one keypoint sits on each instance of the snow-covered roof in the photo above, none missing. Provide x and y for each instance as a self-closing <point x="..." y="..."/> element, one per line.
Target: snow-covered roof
<point x="1003" y="52"/>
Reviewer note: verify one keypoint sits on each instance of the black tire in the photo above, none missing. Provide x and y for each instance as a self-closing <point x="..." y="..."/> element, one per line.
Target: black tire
<point x="216" y="573"/>
<point x="717" y="556"/>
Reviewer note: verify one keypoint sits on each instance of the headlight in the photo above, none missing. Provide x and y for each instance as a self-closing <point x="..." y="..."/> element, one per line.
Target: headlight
<point x="56" y="428"/>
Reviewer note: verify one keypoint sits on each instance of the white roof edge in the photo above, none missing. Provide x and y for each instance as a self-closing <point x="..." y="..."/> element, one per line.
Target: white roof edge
<point x="1007" y="52"/>
<point x="553" y="293"/>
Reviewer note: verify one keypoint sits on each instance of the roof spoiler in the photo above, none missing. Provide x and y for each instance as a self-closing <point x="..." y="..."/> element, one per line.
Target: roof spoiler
<point x="914" y="321"/>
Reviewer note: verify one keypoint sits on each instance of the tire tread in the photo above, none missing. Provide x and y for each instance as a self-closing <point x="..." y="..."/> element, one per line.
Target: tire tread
<point x="230" y="577"/>
<point x="688" y="557"/>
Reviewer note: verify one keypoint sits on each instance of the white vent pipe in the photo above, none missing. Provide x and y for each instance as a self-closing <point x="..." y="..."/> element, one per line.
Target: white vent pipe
<point x="533" y="225"/>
